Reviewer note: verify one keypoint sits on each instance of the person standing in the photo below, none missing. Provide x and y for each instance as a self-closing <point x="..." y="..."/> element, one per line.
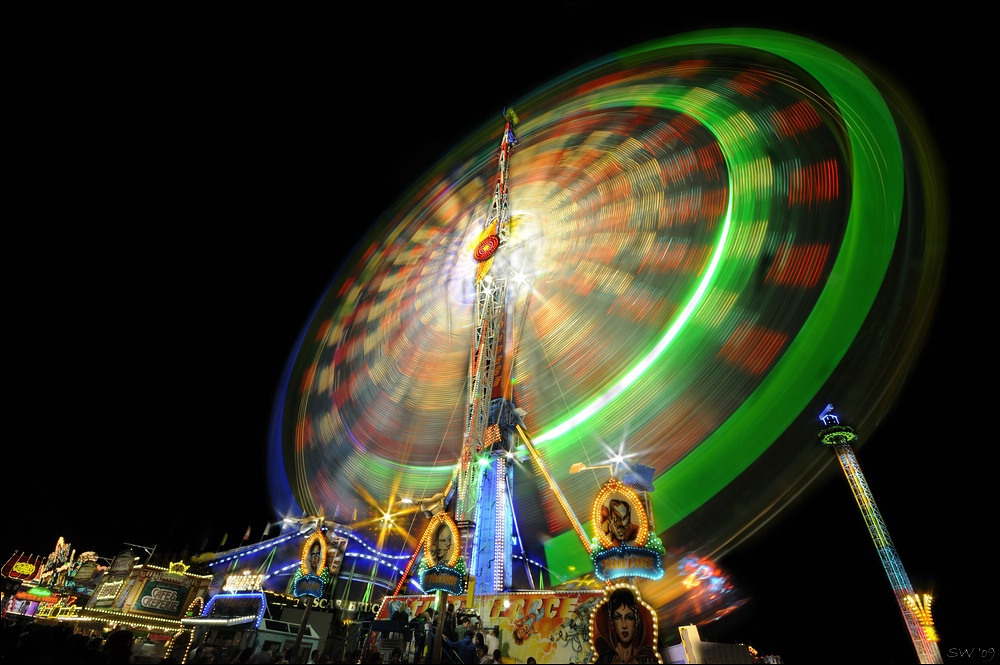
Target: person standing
<point x="262" y="656"/>
<point x="492" y="639"/>
<point x="118" y="647"/>
<point x="464" y="628"/>
<point x="464" y="649"/>
<point x="401" y="617"/>
<point x="450" y="624"/>
<point x="240" y="656"/>
<point x="423" y="629"/>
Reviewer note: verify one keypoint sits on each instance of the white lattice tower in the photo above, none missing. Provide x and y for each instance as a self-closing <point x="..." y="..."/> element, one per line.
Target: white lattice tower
<point x="486" y="531"/>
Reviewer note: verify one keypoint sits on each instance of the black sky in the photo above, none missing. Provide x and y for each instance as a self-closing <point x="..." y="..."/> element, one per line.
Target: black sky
<point x="183" y="196"/>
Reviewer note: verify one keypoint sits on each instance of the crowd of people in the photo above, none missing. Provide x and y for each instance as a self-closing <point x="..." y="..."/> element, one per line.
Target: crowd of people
<point x="463" y="640"/>
<point x="26" y="642"/>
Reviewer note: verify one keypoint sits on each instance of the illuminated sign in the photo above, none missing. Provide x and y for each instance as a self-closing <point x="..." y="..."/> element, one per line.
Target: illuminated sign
<point x="169" y="576"/>
<point x="441" y="568"/>
<point x="624" y="628"/>
<point x="625" y="546"/>
<point x="21" y="567"/>
<point x="441" y="542"/>
<point x="442" y="578"/>
<point x="344" y="605"/>
<point x="27" y="595"/>
<point x="619" y="516"/>
<point x="311" y="575"/>
<point x="161" y="598"/>
<point x="245" y="581"/>
<point x="85" y="572"/>
<point x="122" y="563"/>
<point x="618" y="562"/>
<point x="308" y="585"/>
<point x="107" y="592"/>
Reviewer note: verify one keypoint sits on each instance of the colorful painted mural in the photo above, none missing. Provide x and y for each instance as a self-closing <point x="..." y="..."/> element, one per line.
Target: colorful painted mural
<point x="552" y="626"/>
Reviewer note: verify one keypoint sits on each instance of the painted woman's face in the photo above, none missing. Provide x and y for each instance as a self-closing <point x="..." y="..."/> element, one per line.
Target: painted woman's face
<point x="623" y="619"/>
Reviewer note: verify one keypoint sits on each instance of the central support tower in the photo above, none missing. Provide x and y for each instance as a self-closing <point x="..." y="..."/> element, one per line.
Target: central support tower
<point x="483" y="510"/>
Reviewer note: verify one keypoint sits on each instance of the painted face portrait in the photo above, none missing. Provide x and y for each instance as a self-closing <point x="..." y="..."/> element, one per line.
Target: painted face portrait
<point x="315" y="556"/>
<point x="442" y="544"/>
<point x="624" y="639"/>
<point x="621" y="519"/>
<point x="623" y="620"/>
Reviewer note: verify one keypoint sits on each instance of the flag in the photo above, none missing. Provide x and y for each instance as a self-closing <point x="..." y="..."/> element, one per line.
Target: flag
<point x="246" y="536"/>
<point x="267" y="529"/>
<point x="225" y="537"/>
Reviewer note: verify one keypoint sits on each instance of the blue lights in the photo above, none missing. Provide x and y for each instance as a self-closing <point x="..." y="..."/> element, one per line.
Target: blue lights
<point x="226" y="597"/>
<point x="628" y="561"/>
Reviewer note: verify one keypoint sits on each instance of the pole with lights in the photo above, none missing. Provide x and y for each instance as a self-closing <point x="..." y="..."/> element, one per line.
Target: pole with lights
<point x="916" y="612"/>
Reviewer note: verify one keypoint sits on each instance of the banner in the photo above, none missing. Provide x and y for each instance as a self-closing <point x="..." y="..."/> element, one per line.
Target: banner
<point x="552" y="626"/>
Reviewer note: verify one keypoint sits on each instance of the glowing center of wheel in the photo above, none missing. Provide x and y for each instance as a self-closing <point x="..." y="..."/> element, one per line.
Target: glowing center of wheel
<point x="486" y="248"/>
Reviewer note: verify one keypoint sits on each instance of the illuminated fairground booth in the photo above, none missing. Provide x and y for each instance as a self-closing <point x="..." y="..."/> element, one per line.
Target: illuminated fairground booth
<point x="286" y="591"/>
<point x="253" y="584"/>
<point x="290" y="591"/>
<point x="575" y="622"/>
<point x="20" y="578"/>
<point x="97" y="600"/>
<point x="42" y="584"/>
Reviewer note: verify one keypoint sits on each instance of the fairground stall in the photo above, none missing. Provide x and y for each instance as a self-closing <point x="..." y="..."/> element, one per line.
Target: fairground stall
<point x="20" y="575"/>
<point x="63" y="578"/>
<point x="316" y="581"/>
<point x="148" y="600"/>
<point x="278" y="594"/>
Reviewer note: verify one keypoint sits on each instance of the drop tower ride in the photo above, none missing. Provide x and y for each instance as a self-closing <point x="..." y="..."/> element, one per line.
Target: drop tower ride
<point x="484" y="510"/>
<point x="916" y="613"/>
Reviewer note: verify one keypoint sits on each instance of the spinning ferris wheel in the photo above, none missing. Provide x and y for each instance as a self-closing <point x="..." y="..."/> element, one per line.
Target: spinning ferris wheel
<point x="710" y="237"/>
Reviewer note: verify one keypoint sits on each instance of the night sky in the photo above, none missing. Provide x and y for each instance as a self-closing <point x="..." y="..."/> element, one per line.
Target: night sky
<point x="174" y="188"/>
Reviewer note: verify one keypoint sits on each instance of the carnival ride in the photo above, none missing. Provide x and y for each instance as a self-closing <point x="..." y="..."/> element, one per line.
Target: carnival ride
<point x="916" y="610"/>
<point x="711" y="236"/>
